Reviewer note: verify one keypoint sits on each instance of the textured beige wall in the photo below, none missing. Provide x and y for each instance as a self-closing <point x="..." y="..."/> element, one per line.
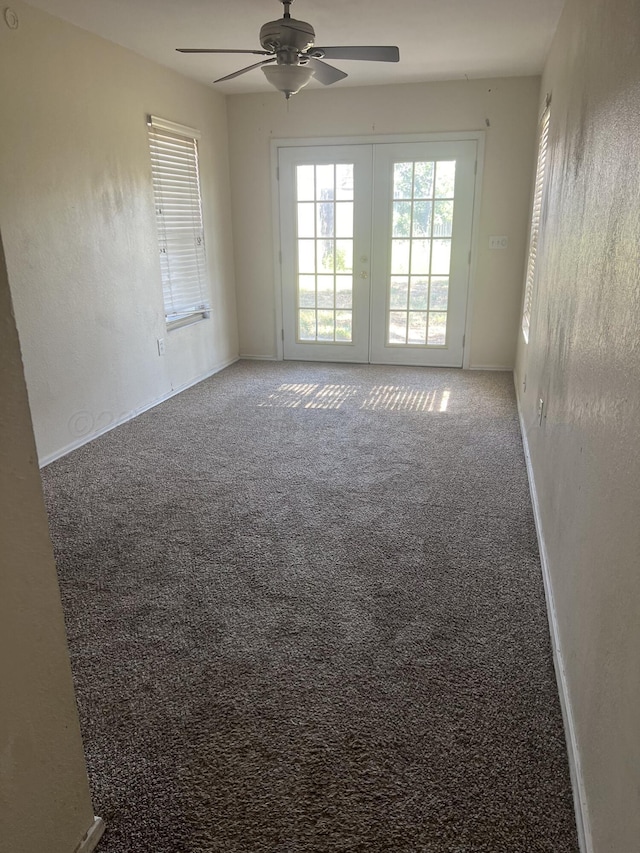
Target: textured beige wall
<point x="76" y="210"/>
<point x="44" y="793"/>
<point x="583" y="358"/>
<point x="510" y="104"/>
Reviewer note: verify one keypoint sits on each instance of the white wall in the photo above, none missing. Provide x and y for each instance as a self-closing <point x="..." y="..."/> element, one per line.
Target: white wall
<point x="583" y="358"/>
<point x="510" y="104"/>
<point x="76" y="210"/>
<point x="44" y="792"/>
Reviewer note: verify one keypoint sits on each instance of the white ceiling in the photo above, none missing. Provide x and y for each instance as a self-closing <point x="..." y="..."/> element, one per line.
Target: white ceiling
<point x="438" y="39"/>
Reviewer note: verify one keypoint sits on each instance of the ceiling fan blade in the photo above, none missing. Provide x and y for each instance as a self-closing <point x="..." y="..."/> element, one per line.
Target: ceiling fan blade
<point x="221" y="50"/>
<point x="375" y="54"/>
<point x="324" y="73"/>
<point x="244" y="70"/>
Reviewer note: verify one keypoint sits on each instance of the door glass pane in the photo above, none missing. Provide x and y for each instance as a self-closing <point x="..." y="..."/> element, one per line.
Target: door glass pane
<point x="326" y="321"/>
<point x="325" y="219"/>
<point x="344" y="256"/>
<point x="400" y="253"/>
<point x="325" y="256"/>
<point x="445" y="178"/>
<point x="417" y="327"/>
<point x="305" y="181"/>
<point x="421" y="230"/>
<point x="325" y="210"/>
<point x="344" y="219"/>
<point x="397" y="327"/>
<point x="420" y="252"/>
<point x="439" y="296"/>
<point x="306" y="220"/>
<point x="402" y="219"/>
<point x="419" y="293"/>
<point x="325" y="291"/>
<point x="307" y="291"/>
<point x="399" y="293"/>
<point x="423" y="186"/>
<point x="307" y="325"/>
<point x="344" y="181"/>
<point x="325" y="188"/>
<point x="441" y="257"/>
<point x="344" y="330"/>
<point x="402" y="180"/>
<point x="421" y="219"/>
<point x="443" y="218"/>
<point x="437" y="328"/>
<point x="344" y="291"/>
<point x="306" y="256"/>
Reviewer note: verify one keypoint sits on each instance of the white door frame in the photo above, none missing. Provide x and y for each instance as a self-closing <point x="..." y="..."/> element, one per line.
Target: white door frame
<point x="477" y="135"/>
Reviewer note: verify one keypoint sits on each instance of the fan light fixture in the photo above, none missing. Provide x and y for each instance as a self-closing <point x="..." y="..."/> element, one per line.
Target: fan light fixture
<point x="288" y="79"/>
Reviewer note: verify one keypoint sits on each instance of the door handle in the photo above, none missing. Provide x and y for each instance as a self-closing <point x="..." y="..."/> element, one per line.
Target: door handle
<point x="364" y="274"/>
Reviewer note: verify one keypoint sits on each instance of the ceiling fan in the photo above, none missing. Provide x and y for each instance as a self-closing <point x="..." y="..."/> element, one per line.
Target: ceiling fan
<point x="290" y="44"/>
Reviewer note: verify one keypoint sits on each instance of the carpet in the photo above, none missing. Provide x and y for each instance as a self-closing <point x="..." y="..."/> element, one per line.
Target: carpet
<point x="305" y="613"/>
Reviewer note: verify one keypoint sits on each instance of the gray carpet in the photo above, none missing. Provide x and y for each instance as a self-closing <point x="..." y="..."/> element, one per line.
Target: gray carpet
<point x="305" y="613"/>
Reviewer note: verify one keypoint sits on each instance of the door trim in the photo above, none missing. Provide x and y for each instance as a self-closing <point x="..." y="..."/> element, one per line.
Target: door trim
<point x="452" y="136"/>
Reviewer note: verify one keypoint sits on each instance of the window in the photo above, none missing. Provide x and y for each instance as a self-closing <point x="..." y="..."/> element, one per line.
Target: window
<point x="176" y="190"/>
<point x="543" y="139"/>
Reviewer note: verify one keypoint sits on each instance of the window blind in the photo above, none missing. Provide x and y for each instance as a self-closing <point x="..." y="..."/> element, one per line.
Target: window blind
<point x="535" y="222"/>
<point x="176" y="189"/>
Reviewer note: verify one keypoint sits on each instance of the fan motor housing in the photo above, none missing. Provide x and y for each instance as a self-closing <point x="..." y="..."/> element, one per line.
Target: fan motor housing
<point x="287" y="33"/>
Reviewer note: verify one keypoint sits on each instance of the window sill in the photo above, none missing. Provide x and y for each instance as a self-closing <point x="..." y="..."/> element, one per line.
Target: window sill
<point x="187" y="321"/>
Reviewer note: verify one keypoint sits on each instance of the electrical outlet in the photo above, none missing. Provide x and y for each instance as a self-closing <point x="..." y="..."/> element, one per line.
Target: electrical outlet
<point x="498" y="242"/>
<point x="540" y="410"/>
<point x="160" y="346"/>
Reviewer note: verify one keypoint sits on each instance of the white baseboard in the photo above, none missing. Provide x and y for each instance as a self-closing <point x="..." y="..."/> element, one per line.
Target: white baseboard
<point x="259" y="357"/>
<point x="85" y="439"/>
<point x="91" y="837"/>
<point x="496" y="367"/>
<point x="585" y="839"/>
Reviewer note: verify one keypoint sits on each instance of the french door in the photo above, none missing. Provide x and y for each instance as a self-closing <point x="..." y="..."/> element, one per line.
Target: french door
<point x="375" y="251"/>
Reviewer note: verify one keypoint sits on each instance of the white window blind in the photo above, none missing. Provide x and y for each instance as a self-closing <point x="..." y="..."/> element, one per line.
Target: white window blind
<point x="176" y="189"/>
<point x="536" y="214"/>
